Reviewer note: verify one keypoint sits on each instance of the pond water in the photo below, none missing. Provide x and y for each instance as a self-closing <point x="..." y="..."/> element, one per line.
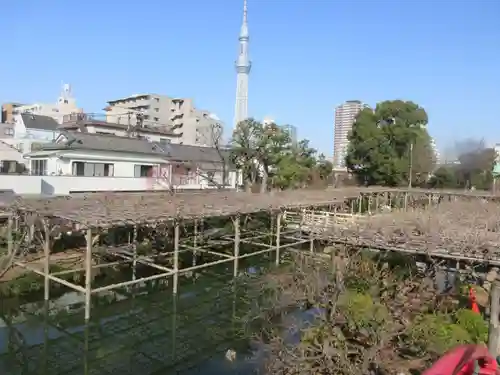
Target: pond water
<point x="141" y="331"/>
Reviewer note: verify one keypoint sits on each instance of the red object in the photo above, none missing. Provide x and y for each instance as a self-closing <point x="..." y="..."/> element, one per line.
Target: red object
<point x="462" y="360"/>
<point x="472" y="299"/>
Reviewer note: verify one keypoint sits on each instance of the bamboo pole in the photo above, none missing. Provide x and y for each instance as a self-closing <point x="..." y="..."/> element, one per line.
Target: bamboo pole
<point x="10" y="236"/>
<point x="278" y="238"/>
<point x="236" y="225"/>
<point x="46" y="261"/>
<point x="134" y="249"/>
<point x="494" y="327"/>
<point x="176" y="257"/>
<point x="88" y="274"/>
<point x="51" y="277"/>
<point x="195" y="242"/>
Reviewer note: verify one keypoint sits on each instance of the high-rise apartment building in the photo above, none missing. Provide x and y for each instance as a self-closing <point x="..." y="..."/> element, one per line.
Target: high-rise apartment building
<point x="345" y="115"/>
<point x="194" y="126"/>
<point x="292" y="132"/>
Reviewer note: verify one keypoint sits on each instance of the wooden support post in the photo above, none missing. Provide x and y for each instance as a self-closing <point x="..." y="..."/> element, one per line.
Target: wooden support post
<point x="406" y="202"/>
<point x="494" y="328"/>
<point x="271" y="233"/>
<point x="360" y="203"/>
<point x="195" y="241"/>
<point x="174" y="326"/>
<point x="86" y="351"/>
<point x="45" y="353"/>
<point x="377" y="203"/>
<point x="10" y="235"/>
<point x="176" y="256"/>
<point x="236" y="225"/>
<point x="46" y="261"/>
<point x="88" y="274"/>
<point x="134" y="258"/>
<point x="278" y="238"/>
<point x="31" y="233"/>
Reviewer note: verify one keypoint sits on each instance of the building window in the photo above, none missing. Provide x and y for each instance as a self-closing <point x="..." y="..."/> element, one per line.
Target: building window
<point x="165" y="141"/>
<point x="143" y="170"/>
<point x="9" y="131"/>
<point x="36" y="146"/>
<point x="157" y="119"/>
<point x="39" y="167"/>
<point x="80" y="168"/>
<point x="20" y="147"/>
<point x="157" y="109"/>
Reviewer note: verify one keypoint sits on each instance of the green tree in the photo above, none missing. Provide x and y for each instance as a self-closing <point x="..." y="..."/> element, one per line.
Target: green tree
<point x="265" y="154"/>
<point x="384" y="142"/>
<point x="444" y="177"/>
<point x="476" y="168"/>
<point x="473" y="168"/>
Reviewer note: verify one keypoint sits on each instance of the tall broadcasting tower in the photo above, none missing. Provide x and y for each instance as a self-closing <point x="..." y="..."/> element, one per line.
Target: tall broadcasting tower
<point x="243" y="66"/>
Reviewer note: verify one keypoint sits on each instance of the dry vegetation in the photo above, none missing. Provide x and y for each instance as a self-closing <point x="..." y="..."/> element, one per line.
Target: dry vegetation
<point x="105" y="210"/>
<point x="366" y="316"/>
<point x="461" y="229"/>
<point x="375" y="313"/>
<point x="120" y="208"/>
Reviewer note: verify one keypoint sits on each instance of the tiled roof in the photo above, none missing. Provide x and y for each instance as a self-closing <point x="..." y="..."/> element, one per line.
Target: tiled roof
<point x="100" y="142"/>
<point x="39" y="122"/>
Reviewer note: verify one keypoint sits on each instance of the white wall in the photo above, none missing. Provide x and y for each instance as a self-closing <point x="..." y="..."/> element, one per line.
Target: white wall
<point x="23" y="145"/>
<point x="61" y="162"/>
<point x="63" y="185"/>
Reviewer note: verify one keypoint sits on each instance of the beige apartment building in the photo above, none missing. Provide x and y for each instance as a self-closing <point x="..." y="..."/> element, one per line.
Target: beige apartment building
<point x="345" y="115"/>
<point x="9" y="110"/>
<point x="65" y="105"/>
<point x="192" y="126"/>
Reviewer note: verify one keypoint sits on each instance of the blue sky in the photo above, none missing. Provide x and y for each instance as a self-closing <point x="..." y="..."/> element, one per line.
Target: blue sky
<point x="308" y="56"/>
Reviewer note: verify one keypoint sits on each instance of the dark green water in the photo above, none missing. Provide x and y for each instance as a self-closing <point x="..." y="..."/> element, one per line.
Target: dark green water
<point x="141" y="331"/>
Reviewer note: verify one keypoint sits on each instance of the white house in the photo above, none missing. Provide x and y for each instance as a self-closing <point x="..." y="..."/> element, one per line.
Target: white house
<point x="28" y="133"/>
<point x="90" y="162"/>
<point x="11" y="160"/>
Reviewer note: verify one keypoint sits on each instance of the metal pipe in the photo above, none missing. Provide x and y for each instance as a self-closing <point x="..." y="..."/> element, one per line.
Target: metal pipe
<point x="132" y="282"/>
<point x="176" y="256"/>
<point x="65" y="272"/>
<point x="205" y="251"/>
<point x="236" y="224"/>
<point x="88" y="274"/>
<point x="46" y="261"/>
<point x="278" y="238"/>
<point x="51" y="277"/>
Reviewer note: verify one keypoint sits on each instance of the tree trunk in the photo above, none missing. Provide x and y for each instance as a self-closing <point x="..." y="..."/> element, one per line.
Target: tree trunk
<point x="263" y="186"/>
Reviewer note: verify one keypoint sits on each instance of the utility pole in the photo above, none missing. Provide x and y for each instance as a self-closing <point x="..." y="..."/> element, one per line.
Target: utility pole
<point x="411" y="165"/>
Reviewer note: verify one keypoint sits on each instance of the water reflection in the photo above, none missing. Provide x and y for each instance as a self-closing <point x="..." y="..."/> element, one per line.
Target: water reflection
<point x="142" y="330"/>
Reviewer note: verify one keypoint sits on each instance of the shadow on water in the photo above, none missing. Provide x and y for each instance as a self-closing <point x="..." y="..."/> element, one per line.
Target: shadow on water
<point x="141" y="330"/>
